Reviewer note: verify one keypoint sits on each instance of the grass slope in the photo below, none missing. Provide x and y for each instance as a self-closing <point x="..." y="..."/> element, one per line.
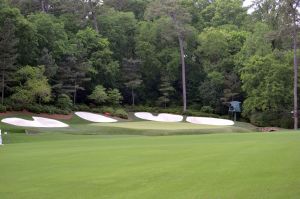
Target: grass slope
<point x="226" y="166"/>
<point x="132" y="127"/>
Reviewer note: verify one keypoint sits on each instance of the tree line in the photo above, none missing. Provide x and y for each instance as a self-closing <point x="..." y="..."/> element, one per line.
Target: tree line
<point x="198" y="54"/>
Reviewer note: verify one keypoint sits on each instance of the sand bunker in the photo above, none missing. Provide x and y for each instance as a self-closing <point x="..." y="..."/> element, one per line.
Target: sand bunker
<point x="36" y="122"/>
<point x="92" y="117"/>
<point x="209" y="121"/>
<point x="162" y="117"/>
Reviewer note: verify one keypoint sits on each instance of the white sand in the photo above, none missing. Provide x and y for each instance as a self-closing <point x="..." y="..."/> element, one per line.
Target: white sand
<point x="36" y="122"/>
<point x="92" y="117"/>
<point x="162" y="117"/>
<point x="209" y="121"/>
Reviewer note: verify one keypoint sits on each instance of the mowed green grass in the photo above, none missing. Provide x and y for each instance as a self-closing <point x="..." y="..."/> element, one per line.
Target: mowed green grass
<point x="131" y="127"/>
<point x="157" y="125"/>
<point x="214" y="166"/>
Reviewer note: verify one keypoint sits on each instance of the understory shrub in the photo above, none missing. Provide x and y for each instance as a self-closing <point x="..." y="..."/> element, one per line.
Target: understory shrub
<point x="2" y="108"/>
<point x="172" y="110"/>
<point x="107" y="109"/>
<point x="200" y="114"/>
<point x="141" y="108"/>
<point x="286" y="122"/>
<point x="273" y="119"/>
<point x="64" y="102"/>
<point x="82" y="107"/>
<point x="37" y="108"/>
<point x="118" y="112"/>
<point x="207" y="109"/>
<point x="121" y="113"/>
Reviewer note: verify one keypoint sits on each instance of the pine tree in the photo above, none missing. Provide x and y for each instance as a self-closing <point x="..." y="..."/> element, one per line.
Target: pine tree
<point x="166" y="89"/>
<point x="72" y="73"/>
<point x="8" y="55"/>
<point x="48" y="61"/>
<point x="133" y="77"/>
<point x="180" y="17"/>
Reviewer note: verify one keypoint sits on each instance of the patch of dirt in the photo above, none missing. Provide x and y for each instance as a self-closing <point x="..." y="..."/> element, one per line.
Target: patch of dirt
<point x="52" y="116"/>
<point x="269" y="129"/>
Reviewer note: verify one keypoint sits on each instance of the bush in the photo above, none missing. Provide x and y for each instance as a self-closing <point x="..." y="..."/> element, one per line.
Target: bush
<point x="200" y="114"/>
<point x="16" y="107"/>
<point x="82" y="107"/>
<point x="172" y="110"/>
<point x="106" y="109"/>
<point x="64" y="102"/>
<point x="207" y="109"/>
<point x="226" y="117"/>
<point x="96" y="110"/>
<point x="195" y="107"/>
<point x="99" y="95"/>
<point x="266" y="119"/>
<point x="140" y="108"/>
<point x="286" y="122"/>
<point x="37" y="108"/>
<point x="2" y="108"/>
<point x="23" y="97"/>
<point x="121" y="113"/>
<point x="114" y="97"/>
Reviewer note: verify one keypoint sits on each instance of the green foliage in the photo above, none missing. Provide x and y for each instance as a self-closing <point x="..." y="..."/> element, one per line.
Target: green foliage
<point x="24" y="31"/>
<point x="2" y="108"/>
<point x="64" y="102"/>
<point x="94" y="50"/>
<point x="8" y="54"/>
<point x="99" y="95"/>
<point x="256" y="43"/>
<point x="22" y="96"/>
<point x="266" y="81"/>
<point x="173" y="110"/>
<point x="226" y="12"/>
<point x="37" y="108"/>
<point x="121" y="113"/>
<point x="132" y="46"/>
<point x="218" y="48"/>
<point x="166" y="89"/>
<point x="207" y="109"/>
<point x="196" y="113"/>
<point x="272" y="118"/>
<point x="114" y="97"/>
<point x="34" y="85"/>
<point x="50" y="33"/>
<point x="119" y="28"/>
<point x="81" y="107"/>
<point x="107" y="109"/>
<point x="46" y="59"/>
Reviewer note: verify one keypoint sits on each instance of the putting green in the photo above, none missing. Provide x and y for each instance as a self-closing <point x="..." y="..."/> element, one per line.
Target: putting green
<point x="158" y="125"/>
<point x="226" y="166"/>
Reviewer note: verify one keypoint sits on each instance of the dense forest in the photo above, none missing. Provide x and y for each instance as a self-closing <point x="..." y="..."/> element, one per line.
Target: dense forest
<point x="191" y="55"/>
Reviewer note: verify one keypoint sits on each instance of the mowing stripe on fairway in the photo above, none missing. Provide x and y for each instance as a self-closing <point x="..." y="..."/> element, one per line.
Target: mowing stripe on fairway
<point x="227" y="166"/>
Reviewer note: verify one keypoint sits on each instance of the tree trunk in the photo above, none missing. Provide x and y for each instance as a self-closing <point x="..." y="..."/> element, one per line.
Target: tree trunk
<point x="295" y="71"/>
<point x="43" y="5"/>
<point x="183" y="72"/>
<point x="75" y="93"/>
<point x="2" y="88"/>
<point x="132" y="96"/>
<point x="94" y="16"/>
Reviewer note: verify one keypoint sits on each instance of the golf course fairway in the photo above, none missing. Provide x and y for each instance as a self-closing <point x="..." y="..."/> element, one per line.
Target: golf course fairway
<point x="214" y="166"/>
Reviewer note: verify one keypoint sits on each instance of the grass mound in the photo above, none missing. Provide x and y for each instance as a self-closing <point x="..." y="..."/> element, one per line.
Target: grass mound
<point x="133" y="127"/>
